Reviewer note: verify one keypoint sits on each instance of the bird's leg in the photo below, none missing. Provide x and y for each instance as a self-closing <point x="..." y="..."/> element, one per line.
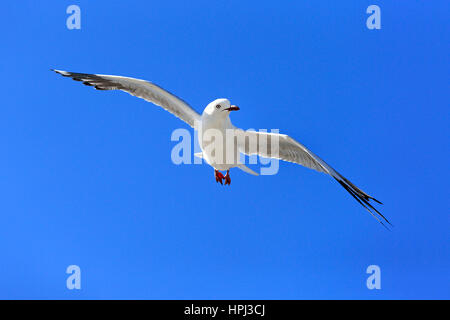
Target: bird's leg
<point x="227" y="178"/>
<point x="219" y="176"/>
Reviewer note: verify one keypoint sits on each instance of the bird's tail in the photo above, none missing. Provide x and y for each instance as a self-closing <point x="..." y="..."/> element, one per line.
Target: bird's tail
<point x="243" y="167"/>
<point x="363" y="198"/>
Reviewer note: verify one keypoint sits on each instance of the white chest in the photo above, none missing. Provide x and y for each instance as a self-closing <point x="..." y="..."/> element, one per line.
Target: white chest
<point x="218" y="143"/>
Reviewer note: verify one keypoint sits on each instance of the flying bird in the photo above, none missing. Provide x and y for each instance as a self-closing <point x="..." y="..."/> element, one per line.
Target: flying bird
<point x="216" y="117"/>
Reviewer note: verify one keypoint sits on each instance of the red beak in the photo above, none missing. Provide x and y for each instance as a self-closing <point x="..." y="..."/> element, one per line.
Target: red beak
<point x="232" y="108"/>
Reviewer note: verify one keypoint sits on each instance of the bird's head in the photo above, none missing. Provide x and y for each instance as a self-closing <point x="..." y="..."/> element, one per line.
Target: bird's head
<point x="220" y="108"/>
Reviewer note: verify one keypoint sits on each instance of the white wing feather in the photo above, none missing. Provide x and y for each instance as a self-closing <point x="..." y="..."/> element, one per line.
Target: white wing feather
<point x="283" y="147"/>
<point x="139" y="88"/>
<point x="279" y="146"/>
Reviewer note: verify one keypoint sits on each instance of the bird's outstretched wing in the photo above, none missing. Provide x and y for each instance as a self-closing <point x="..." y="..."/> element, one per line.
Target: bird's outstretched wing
<point x="139" y="88"/>
<point x="283" y="147"/>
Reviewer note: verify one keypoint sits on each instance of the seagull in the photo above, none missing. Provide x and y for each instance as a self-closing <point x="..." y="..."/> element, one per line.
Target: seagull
<point x="216" y="119"/>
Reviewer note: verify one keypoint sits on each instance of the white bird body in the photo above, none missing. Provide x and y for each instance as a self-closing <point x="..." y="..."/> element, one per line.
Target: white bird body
<point x="214" y="125"/>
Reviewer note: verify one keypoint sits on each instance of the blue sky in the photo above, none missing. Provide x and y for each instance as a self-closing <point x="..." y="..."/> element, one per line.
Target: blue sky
<point x="87" y="177"/>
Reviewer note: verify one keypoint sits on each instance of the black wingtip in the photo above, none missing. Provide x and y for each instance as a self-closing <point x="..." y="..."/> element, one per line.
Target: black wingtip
<point x="377" y="201"/>
<point x="364" y="199"/>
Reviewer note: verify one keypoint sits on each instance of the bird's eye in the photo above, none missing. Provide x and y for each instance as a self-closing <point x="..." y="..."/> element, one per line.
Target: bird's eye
<point x="218" y="106"/>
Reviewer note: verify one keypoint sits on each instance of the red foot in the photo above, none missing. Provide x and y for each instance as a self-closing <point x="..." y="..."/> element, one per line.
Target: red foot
<point x="219" y="176"/>
<point x="227" y="178"/>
